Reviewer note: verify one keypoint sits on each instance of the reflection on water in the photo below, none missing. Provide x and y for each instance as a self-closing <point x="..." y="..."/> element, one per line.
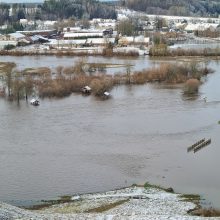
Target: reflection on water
<point x="53" y="61"/>
<point x="81" y="144"/>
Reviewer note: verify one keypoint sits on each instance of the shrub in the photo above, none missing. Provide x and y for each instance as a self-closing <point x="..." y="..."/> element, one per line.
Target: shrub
<point x="99" y="86"/>
<point x="191" y="86"/>
<point x="9" y="47"/>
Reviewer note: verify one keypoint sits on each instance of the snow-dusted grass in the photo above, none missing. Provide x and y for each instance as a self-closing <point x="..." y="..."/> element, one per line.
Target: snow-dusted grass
<point x="128" y="203"/>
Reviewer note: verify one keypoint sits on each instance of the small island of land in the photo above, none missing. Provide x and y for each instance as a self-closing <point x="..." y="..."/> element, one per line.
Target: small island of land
<point x="136" y="202"/>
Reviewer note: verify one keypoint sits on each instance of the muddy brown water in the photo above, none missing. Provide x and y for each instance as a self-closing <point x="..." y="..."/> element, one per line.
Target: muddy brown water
<point x="52" y="62"/>
<point x="81" y="144"/>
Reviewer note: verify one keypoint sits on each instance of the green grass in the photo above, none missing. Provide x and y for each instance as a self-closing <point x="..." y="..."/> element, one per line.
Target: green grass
<point x="190" y="197"/>
<point x="65" y="198"/>
<point x="47" y="204"/>
<point x="148" y="185"/>
<point x="107" y="207"/>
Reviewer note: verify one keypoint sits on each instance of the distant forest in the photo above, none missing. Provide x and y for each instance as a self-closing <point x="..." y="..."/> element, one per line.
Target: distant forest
<point x="175" y="7"/>
<point x="89" y="9"/>
<point x="57" y="9"/>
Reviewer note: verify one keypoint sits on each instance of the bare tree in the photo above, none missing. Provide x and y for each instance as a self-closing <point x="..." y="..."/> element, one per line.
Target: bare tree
<point x="17" y="86"/>
<point x="79" y="67"/>
<point x="28" y="86"/>
<point x="128" y="73"/>
<point x="59" y="70"/>
<point x="8" y="73"/>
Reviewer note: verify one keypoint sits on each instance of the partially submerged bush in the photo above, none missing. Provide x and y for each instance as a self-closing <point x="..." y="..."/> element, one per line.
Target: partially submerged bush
<point x="191" y="86"/>
<point x="61" y="87"/>
<point x="170" y="73"/>
<point x="73" y="79"/>
<point x="54" y="88"/>
<point x="164" y="51"/>
<point x="207" y="212"/>
<point x="41" y="71"/>
<point x="99" y="86"/>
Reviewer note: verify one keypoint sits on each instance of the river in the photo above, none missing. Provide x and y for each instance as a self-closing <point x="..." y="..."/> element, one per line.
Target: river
<point x="81" y="144"/>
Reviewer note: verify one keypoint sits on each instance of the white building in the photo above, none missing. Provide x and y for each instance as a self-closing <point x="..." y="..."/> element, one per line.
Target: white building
<point x="16" y="36"/>
<point x="201" y="27"/>
<point x="139" y="40"/>
<point x="81" y="35"/>
<point x="6" y="43"/>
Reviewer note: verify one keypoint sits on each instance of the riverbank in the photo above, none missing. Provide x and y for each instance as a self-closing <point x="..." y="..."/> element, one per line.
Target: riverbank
<point x="135" y="202"/>
<point x="119" y="52"/>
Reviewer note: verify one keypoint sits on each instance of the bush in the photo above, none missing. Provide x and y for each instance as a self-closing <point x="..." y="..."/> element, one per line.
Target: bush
<point x="191" y="86"/>
<point x="99" y="86"/>
<point x="9" y="47"/>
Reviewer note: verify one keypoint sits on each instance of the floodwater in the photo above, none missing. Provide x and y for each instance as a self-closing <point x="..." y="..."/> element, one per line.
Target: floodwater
<point x="52" y="62"/>
<point x="81" y="144"/>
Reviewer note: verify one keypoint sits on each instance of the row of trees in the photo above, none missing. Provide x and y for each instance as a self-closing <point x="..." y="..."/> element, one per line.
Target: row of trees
<point x="56" y="10"/>
<point x="14" y="12"/>
<point x="62" y="9"/>
<point x="18" y="84"/>
<point x="208" y="33"/>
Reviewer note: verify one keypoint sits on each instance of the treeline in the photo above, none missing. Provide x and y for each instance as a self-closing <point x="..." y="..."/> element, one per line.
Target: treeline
<point x="77" y="9"/>
<point x="162" y="50"/>
<point x="12" y="13"/>
<point x="207" y="33"/>
<point x="106" y="53"/>
<point x="56" y="9"/>
<point x="175" y="7"/>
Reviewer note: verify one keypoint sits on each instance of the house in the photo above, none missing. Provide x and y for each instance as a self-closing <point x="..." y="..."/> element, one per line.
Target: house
<point x="82" y="35"/>
<point x="100" y="41"/>
<point x="16" y="36"/>
<point x="200" y="26"/>
<point x="66" y="43"/>
<point x="38" y="39"/>
<point x="5" y="43"/>
<point x="108" y="32"/>
<point x="44" y="33"/>
<point x="72" y="29"/>
<point x="139" y="40"/>
<point x="23" y="22"/>
<point x="86" y="90"/>
<point x="103" y="23"/>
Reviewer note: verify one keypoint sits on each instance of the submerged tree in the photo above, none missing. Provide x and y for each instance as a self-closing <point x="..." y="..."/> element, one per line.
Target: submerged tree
<point x="17" y="87"/>
<point x="79" y="67"/>
<point x="28" y="86"/>
<point x="128" y="72"/>
<point x="8" y="75"/>
<point x="191" y="86"/>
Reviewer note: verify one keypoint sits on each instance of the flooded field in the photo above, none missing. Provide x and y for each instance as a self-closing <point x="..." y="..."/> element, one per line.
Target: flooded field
<point x="81" y="144"/>
<point x="52" y="62"/>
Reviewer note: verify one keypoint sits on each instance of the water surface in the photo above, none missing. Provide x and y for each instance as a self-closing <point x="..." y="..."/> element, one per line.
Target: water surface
<point x="81" y="144"/>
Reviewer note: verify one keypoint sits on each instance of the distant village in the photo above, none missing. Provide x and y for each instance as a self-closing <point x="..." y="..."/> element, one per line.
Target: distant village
<point x="131" y="31"/>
